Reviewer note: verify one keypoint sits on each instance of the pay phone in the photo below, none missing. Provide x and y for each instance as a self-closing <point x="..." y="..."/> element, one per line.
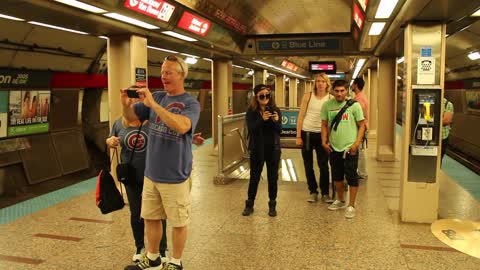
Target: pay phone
<point x="426" y="121"/>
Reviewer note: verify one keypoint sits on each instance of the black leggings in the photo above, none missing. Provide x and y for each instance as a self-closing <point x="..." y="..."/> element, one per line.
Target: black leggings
<point x="270" y="154"/>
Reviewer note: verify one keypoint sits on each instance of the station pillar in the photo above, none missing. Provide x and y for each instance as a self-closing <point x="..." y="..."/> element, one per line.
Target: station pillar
<point x="280" y="90"/>
<point x="386" y="112"/>
<point x="126" y="56"/>
<point x="127" y="65"/>
<point x="373" y="105"/>
<point x="222" y="93"/>
<point x="423" y="81"/>
<point x="260" y="77"/>
<point x="292" y="92"/>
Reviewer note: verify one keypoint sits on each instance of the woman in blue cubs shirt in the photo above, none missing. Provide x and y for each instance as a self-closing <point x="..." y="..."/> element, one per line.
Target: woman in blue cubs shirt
<point x="124" y="133"/>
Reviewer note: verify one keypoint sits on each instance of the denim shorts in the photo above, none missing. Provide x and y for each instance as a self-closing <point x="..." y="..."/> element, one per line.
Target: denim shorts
<point x="344" y="168"/>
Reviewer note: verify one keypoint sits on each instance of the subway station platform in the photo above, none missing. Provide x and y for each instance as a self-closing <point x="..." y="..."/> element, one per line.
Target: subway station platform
<point x="70" y="233"/>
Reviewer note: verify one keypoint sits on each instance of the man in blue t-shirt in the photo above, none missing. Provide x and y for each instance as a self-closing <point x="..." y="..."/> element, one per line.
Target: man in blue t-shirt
<point x="173" y="116"/>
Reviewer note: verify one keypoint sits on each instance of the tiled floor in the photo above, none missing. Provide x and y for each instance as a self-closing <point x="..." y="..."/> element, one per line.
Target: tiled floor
<point x="74" y="235"/>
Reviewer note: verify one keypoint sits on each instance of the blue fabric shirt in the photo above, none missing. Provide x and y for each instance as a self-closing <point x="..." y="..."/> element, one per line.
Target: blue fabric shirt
<point x="169" y="154"/>
<point x="128" y="136"/>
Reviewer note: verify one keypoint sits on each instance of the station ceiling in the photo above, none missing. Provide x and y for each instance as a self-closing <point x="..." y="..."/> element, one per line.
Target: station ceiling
<point x="237" y="27"/>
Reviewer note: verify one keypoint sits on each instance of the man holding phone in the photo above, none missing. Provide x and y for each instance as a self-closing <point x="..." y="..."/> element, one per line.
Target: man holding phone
<point x="173" y="116"/>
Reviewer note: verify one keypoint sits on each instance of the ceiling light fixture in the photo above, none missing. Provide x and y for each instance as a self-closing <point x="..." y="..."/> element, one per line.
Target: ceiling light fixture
<point x="104" y="37"/>
<point x="129" y="20"/>
<point x="190" y="55"/>
<point x="476" y="13"/>
<point x="474" y="55"/>
<point x="400" y="60"/>
<point x="376" y="28"/>
<point x="80" y="5"/>
<point x="179" y="36"/>
<point x="358" y="67"/>
<point x="10" y="17"/>
<point x="385" y="9"/>
<point x="58" y="27"/>
<point x="161" y="49"/>
<point x="191" y="60"/>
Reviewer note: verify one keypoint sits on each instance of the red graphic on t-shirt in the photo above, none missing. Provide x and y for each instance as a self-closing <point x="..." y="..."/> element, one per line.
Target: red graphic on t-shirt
<point x="345" y="116"/>
<point x="174" y="107"/>
<point x="133" y="138"/>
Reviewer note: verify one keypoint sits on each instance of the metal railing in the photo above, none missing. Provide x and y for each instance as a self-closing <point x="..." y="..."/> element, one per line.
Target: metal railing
<point x="232" y="145"/>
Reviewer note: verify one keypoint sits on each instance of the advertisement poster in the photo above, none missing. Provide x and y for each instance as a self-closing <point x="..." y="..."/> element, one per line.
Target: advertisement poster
<point x="3" y="113"/>
<point x="28" y="111"/>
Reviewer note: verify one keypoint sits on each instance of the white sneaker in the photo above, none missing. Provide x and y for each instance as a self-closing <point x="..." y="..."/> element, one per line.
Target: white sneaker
<point x="350" y="212"/>
<point x="138" y="256"/>
<point x="337" y="205"/>
<point x="313" y="198"/>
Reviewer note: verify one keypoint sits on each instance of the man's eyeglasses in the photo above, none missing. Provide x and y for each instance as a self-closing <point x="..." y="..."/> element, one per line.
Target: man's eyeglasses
<point x="174" y="59"/>
<point x="262" y="96"/>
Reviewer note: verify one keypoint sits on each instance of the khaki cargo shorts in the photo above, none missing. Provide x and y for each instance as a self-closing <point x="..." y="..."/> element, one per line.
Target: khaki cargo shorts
<point x="166" y="201"/>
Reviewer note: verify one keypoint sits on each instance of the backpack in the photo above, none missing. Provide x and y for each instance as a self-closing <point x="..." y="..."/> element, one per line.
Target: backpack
<point x="107" y="196"/>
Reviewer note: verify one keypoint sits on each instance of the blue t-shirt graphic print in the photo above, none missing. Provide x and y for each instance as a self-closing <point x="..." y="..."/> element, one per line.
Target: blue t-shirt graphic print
<point x="169" y="153"/>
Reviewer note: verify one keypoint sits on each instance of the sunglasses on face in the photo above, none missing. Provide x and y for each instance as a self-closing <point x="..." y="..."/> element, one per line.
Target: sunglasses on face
<point x="262" y="96"/>
<point x="173" y="58"/>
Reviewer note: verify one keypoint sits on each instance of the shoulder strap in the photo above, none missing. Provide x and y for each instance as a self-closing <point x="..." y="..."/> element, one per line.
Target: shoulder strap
<point x="135" y="145"/>
<point x="337" y="118"/>
<point x="308" y="101"/>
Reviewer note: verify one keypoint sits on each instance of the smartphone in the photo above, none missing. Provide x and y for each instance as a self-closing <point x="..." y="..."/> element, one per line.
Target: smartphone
<point x="268" y="108"/>
<point x="132" y="93"/>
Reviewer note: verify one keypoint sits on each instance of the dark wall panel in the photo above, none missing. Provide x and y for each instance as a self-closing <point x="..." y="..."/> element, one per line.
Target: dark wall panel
<point x="71" y="150"/>
<point x="40" y="161"/>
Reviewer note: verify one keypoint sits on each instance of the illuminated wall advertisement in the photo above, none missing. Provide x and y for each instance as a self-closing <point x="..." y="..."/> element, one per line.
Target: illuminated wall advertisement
<point x="28" y="112"/>
<point x="157" y="9"/>
<point x="3" y="113"/>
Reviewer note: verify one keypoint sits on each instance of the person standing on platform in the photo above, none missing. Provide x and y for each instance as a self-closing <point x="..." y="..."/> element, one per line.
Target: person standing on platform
<point x="342" y="140"/>
<point x="360" y="97"/>
<point x="264" y="124"/>
<point x="125" y="133"/>
<point x="309" y="128"/>
<point x="446" y="122"/>
<point x="173" y="116"/>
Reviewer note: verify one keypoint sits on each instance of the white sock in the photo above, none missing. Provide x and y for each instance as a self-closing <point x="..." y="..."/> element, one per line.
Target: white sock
<point x="153" y="256"/>
<point x="175" y="261"/>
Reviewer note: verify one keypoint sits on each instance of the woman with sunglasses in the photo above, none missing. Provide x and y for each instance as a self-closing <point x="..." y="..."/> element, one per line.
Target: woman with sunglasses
<point x="309" y="127"/>
<point x="264" y="126"/>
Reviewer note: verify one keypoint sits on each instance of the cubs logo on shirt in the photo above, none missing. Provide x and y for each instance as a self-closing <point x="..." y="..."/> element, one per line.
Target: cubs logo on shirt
<point x="132" y="136"/>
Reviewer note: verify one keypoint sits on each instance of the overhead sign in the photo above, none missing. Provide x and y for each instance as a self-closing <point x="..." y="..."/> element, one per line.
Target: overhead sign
<point x="194" y="24"/>
<point x="337" y="76"/>
<point x="358" y="16"/>
<point x="157" y="9"/>
<point x="329" y="67"/>
<point x="289" y="65"/>
<point x="140" y="77"/>
<point x="298" y="44"/>
<point x="363" y="4"/>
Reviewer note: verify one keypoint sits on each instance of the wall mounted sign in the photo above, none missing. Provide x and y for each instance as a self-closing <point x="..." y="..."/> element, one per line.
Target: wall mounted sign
<point x="157" y="9"/>
<point x="194" y="24"/>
